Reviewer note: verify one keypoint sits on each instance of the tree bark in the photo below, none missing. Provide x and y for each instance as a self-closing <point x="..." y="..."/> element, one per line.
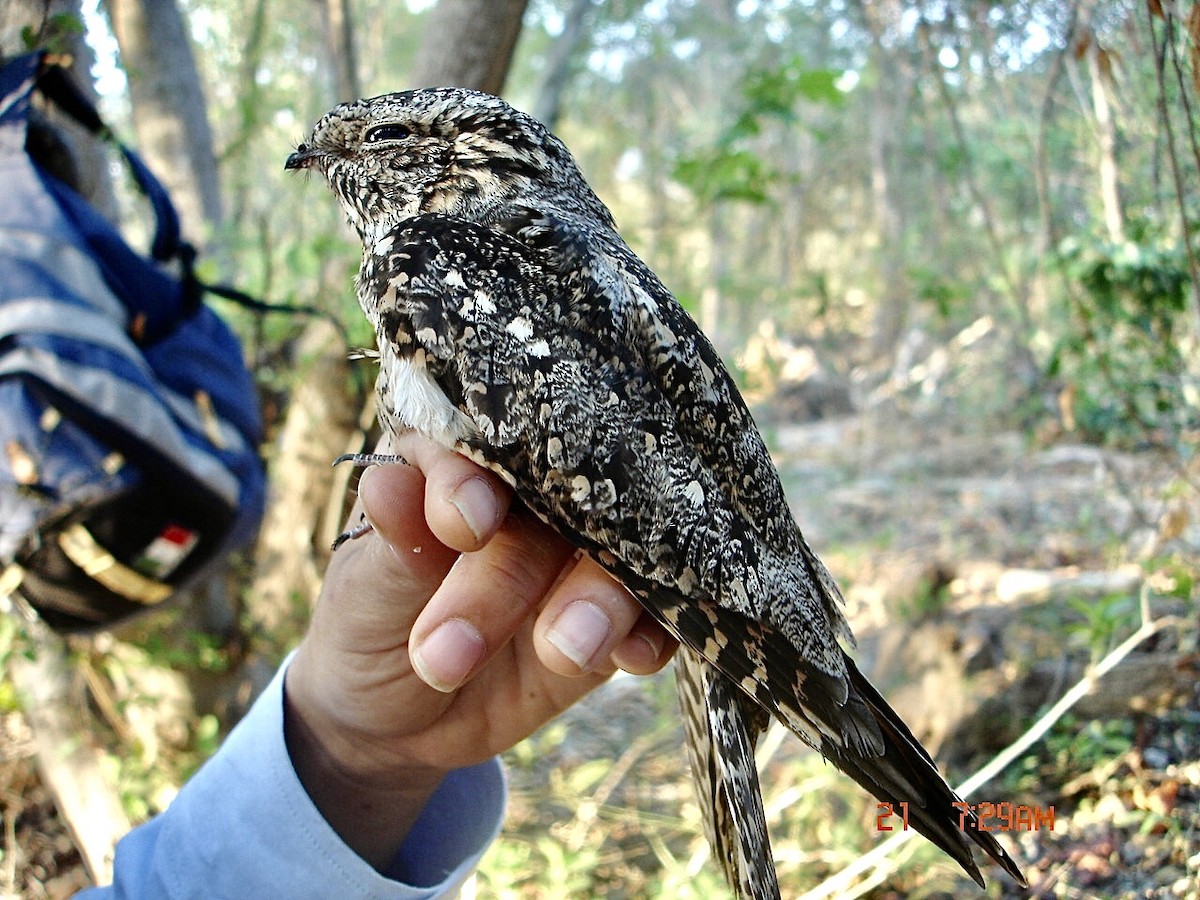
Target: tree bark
<point x="169" y="110"/>
<point x="469" y="43"/>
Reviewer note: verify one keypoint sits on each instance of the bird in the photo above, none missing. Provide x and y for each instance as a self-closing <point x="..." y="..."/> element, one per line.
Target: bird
<point x="516" y="327"/>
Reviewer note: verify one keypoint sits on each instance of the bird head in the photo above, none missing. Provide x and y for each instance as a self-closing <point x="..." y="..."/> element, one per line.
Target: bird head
<point x="440" y="150"/>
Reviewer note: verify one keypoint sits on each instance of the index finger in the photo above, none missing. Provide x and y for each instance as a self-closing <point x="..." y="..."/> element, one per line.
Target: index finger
<point x="465" y="504"/>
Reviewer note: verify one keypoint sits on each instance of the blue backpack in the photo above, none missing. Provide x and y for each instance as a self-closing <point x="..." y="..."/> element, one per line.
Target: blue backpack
<point x="129" y="422"/>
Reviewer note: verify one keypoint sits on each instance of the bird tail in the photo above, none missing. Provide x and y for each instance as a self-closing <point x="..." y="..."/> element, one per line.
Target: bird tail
<point x="722" y="726"/>
<point x="934" y="809"/>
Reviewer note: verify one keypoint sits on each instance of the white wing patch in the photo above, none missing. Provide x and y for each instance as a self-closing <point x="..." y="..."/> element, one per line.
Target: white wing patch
<point x="520" y="328"/>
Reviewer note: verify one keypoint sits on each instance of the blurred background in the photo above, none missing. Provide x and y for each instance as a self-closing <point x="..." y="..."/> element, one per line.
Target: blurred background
<point x="950" y="251"/>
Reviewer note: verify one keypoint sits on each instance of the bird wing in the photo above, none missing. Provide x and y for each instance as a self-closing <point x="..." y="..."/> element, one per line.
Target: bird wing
<point x="707" y="409"/>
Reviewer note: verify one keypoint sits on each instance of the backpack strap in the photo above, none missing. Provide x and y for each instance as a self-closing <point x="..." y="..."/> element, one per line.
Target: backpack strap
<point x="58" y="87"/>
<point x="17" y="79"/>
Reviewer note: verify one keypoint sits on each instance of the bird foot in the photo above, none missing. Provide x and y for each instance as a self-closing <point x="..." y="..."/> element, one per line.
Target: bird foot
<point x="363" y="460"/>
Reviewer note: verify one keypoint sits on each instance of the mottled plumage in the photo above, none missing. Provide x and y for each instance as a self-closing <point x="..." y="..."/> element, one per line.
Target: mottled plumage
<point x="517" y="328"/>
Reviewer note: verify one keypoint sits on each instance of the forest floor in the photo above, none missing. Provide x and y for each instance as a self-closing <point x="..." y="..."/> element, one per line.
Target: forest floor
<point x="982" y="574"/>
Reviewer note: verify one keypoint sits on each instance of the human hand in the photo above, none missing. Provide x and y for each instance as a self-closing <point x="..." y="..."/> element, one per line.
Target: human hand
<point x="486" y="604"/>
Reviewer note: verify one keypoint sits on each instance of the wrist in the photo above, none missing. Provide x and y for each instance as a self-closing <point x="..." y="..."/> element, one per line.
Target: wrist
<point x="369" y="800"/>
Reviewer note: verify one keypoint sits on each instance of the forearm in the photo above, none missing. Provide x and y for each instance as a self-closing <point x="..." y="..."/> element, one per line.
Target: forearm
<point x="244" y="826"/>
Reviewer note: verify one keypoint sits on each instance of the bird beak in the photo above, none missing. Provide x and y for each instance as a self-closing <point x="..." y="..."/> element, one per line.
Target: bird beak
<point x="302" y="158"/>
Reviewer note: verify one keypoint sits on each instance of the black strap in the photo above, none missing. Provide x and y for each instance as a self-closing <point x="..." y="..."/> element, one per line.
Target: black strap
<point x="58" y="87"/>
<point x="252" y="303"/>
<point x="54" y="82"/>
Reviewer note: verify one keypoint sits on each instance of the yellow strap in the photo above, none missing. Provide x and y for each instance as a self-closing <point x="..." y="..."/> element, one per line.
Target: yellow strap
<point x="81" y="548"/>
<point x="208" y="415"/>
<point x="10" y="579"/>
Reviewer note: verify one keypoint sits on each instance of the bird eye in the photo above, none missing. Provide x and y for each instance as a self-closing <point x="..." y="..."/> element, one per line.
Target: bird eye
<point x="390" y="132"/>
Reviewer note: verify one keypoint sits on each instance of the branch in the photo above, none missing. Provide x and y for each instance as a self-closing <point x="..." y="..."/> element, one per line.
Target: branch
<point x="70" y="765"/>
<point x="1041" y="166"/>
<point x="991" y="229"/>
<point x="1172" y="155"/>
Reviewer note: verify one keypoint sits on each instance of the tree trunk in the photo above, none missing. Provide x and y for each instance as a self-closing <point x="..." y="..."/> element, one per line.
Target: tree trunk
<point x="548" y="107"/>
<point x="1099" y="63"/>
<point x="293" y="545"/>
<point x="469" y="43"/>
<point x="338" y="24"/>
<point x="887" y="101"/>
<point x="169" y="110"/>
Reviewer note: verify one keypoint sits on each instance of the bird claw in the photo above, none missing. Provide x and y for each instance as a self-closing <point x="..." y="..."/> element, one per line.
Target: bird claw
<point x="351" y="534"/>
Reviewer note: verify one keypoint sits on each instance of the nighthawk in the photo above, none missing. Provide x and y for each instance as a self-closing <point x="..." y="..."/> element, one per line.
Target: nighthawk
<point x="516" y="327"/>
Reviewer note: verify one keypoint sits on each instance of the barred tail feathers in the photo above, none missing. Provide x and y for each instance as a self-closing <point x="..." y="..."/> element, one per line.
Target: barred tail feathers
<point x="722" y="726"/>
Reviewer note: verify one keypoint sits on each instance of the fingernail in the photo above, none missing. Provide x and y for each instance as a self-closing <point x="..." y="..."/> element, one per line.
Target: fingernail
<point x="476" y="503"/>
<point x="448" y="655"/>
<point x="579" y="632"/>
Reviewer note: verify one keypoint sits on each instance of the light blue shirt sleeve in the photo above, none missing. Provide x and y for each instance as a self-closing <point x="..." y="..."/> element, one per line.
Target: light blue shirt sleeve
<point x="244" y="827"/>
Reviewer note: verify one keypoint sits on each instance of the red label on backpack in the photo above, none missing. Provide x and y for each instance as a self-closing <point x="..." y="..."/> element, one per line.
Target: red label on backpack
<point x="164" y="554"/>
